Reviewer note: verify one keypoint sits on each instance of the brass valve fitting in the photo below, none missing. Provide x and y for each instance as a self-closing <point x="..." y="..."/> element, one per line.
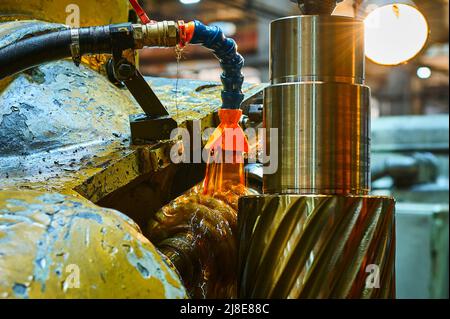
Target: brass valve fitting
<point x="158" y="34"/>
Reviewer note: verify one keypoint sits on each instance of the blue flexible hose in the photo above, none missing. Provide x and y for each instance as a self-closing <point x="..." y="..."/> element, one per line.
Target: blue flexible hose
<point x="225" y="49"/>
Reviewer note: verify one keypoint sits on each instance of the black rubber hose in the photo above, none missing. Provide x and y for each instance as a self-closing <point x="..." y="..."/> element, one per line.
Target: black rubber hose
<point x="36" y="50"/>
<point x="33" y="51"/>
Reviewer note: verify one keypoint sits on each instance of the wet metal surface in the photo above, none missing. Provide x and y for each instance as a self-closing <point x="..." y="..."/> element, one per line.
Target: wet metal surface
<point x="42" y="235"/>
<point x="329" y="246"/>
<point x="66" y="129"/>
<point x="57" y="135"/>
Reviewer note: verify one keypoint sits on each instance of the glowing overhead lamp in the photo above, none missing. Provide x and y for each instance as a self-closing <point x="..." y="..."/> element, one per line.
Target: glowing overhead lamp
<point x="424" y="72"/>
<point x="395" y="31"/>
<point x="189" y="1"/>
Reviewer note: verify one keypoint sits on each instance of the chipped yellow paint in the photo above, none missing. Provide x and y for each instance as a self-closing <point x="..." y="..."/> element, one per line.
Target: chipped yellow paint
<point x="93" y="163"/>
<point x="110" y="252"/>
<point x="96" y="62"/>
<point x="99" y="170"/>
<point x="44" y="237"/>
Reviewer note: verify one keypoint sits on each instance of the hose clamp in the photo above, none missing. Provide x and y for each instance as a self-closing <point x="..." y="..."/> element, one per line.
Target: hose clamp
<point x="75" y="46"/>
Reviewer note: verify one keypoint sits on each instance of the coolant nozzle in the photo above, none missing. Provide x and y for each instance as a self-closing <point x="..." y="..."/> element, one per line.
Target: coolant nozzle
<point x="227" y="148"/>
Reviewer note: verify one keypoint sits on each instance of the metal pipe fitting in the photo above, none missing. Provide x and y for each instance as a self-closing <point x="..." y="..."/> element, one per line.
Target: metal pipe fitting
<point x="158" y="34"/>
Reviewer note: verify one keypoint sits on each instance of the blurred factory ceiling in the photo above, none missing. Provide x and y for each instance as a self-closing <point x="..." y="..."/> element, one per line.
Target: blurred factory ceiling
<point x="251" y="19"/>
<point x="247" y="11"/>
<point x="223" y="10"/>
<point x="247" y="16"/>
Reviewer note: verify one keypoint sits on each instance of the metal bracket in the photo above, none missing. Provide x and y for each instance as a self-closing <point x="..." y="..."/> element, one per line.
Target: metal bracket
<point x="155" y="124"/>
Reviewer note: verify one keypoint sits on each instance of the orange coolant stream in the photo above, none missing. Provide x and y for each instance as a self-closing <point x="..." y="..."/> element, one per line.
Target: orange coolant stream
<point x="227" y="148"/>
<point x="197" y="231"/>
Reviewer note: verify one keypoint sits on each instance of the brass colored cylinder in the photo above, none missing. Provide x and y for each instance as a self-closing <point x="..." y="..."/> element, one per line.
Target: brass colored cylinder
<point x="296" y="246"/>
<point x="323" y="138"/>
<point x="317" y="48"/>
<point x="315" y="232"/>
<point x="319" y="105"/>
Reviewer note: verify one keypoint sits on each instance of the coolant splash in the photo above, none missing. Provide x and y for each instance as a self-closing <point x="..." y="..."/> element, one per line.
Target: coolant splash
<point x="197" y="231"/>
<point x="227" y="147"/>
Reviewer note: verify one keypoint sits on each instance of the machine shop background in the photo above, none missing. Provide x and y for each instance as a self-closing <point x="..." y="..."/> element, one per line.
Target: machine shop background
<point x="409" y="128"/>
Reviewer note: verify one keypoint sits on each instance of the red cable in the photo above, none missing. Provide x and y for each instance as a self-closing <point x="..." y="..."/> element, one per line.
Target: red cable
<point x="140" y="12"/>
<point x="186" y="30"/>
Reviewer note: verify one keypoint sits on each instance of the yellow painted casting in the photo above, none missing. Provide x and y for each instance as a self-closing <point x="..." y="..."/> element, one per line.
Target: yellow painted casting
<point x="55" y="246"/>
